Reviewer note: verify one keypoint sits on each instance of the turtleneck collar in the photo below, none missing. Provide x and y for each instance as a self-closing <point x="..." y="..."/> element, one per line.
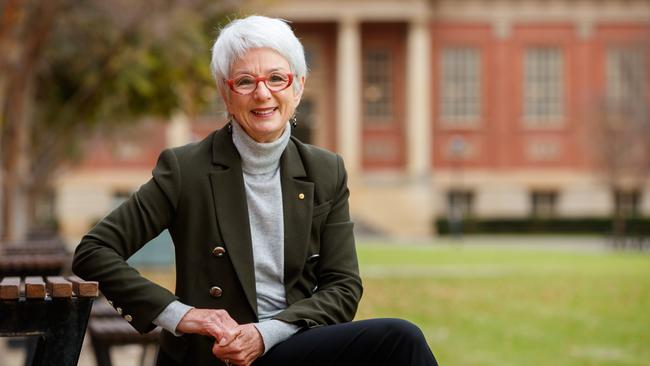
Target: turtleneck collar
<point x="256" y="157"/>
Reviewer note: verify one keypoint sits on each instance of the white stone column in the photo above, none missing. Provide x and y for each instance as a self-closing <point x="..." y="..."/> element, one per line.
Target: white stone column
<point x="348" y="94"/>
<point x="179" y="131"/>
<point x="418" y="96"/>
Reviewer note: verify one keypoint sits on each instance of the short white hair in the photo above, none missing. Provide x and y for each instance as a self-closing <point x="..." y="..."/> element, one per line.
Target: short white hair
<point x="256" y="31"/>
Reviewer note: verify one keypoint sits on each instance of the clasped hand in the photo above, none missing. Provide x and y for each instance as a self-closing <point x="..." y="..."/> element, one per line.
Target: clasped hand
<point x="234" y="344"/>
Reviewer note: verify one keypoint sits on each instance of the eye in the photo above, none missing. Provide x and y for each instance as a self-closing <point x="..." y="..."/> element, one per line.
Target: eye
<point x="244" y="80"/>
<point x="277" y="77"/>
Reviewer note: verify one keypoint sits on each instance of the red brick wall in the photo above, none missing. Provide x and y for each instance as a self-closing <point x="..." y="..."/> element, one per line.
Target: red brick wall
<point x="485" y="132"/>
<point x="501" y="136"/>
<point x="386" y="136"/>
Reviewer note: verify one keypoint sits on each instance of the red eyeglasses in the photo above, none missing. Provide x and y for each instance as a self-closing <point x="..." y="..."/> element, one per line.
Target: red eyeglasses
<point x="246" y="84"/>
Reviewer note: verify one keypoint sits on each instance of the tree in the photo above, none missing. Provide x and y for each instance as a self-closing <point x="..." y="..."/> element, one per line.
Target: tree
<point x="72" y="66"/>
<point x="621" y="130"/>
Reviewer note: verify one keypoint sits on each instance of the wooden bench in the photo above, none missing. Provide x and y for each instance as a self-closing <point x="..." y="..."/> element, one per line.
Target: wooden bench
<point x="107" y="328"/>
<point x="35" y="257"/>
<point x="55" y="309"/>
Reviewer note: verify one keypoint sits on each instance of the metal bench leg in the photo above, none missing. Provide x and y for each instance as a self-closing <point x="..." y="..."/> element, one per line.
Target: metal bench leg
<point x="143" y="356"/>
<point x="30" y="349"/>
<point x="61" y="343"/>
<point x="102" y="353"/>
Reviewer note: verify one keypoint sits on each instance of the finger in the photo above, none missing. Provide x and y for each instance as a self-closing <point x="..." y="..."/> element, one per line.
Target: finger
<point x="237" y="352"/>
<point x="221" y="325"/>
<point x="216" y="330"/>
<point x="215" y="350"/>
<point x="229" y="336"/>
<point x="247" y="361"/>
<point x="226" y="353"/>
<point x="231" y="351"/>
<point x="244" y="350"/>
<point x="223" y="332"/>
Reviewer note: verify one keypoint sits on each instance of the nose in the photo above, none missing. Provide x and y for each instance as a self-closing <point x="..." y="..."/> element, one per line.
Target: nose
<point x="261" y="91"/>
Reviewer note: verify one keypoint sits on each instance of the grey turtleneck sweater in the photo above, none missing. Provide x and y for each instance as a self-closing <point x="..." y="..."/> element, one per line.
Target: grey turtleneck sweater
<point x="261" y="169"/>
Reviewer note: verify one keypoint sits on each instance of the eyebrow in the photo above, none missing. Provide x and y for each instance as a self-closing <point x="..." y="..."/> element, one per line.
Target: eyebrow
<point x="237" y="72"/>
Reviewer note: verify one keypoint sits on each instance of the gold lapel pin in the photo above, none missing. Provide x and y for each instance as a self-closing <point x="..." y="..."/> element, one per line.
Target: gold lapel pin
<point x="301" y="196"/>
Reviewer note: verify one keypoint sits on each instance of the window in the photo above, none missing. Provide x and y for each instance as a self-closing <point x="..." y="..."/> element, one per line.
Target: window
<point x="543" y="85"/>
<point x="626" y="203"/>
<point x="626" y="78"/>
<point x="460" y="86"/>
<point x="543" y="204"/>
<point x="378" y="85"/>
<point x="459" y="204"/>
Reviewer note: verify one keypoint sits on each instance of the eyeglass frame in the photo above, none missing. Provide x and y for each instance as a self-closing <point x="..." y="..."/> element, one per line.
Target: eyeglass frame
<point x="264" y="78"/>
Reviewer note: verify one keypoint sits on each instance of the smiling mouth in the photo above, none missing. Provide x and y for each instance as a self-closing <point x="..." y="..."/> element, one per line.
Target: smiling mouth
<point x="264" y="112"/>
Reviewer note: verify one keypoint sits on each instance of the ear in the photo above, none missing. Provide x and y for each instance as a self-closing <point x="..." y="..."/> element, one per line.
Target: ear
<point x="298" y="95"/>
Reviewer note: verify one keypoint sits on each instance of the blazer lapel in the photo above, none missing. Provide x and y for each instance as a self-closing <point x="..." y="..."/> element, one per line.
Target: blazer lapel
<point x="297" y="203"/>
<point x="229" y="197"/>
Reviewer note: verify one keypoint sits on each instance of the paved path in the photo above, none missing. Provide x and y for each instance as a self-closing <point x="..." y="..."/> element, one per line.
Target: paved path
<point x="121" y="355"/>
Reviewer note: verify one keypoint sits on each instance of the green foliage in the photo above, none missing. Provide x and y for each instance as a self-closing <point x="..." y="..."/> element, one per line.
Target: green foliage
<point x="108" y="64"/>
<point x="503" y="305"/>
<point x="113" y="62"/>
<point x="76" y="68"/>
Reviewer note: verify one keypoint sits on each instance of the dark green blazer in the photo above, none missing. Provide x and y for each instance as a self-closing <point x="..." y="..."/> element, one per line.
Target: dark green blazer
<point x="197" y="192"/>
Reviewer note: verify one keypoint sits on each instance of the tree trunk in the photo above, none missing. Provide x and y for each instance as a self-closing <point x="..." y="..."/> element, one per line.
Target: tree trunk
<point x="618" y="231"/>
<point x="24" y="29"/>
<point x="2" y="165"/>
<point x="10" y="11"/>
<point x="19" y="110"/>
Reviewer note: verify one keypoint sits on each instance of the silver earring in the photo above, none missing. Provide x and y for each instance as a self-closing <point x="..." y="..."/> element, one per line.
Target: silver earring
<point x="229" y="124"/>
<point x="294" y="124"/>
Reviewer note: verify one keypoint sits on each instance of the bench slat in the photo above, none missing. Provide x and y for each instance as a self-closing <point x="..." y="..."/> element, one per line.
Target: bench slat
<point x="10" y="288"/>
<point x="34" y="287"/>
<point x="58" y="287"/>
<point x="83" y="288"/>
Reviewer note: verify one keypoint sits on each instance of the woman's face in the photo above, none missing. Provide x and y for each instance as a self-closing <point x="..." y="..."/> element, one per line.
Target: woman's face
<point x="262" y="114"/>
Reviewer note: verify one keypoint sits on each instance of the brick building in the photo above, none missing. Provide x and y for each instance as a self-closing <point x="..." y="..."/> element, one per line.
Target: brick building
<point x="486" y="108"/>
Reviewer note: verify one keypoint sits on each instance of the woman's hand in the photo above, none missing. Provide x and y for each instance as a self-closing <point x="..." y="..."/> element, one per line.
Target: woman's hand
<point x="245" y="349"/>
<point x="216" y="323"/>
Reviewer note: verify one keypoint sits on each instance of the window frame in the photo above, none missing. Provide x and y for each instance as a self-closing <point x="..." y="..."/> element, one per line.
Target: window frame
<point x="553" y="74"/>
<point x="474" y="78"/>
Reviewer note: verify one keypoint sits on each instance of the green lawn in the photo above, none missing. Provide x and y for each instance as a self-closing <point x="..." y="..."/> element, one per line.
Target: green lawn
<point x="497" y="305"/>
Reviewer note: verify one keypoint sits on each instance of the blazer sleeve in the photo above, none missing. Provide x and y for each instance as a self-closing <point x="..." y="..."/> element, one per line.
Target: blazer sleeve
<point x="102" y="253"/>
<point x="339" y="284"/>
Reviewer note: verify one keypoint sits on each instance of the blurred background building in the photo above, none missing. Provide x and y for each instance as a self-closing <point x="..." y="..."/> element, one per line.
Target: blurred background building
<point x="450" y="115"/>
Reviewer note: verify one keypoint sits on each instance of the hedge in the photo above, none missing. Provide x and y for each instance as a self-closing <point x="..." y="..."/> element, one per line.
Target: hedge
<point x="583" y="225"/>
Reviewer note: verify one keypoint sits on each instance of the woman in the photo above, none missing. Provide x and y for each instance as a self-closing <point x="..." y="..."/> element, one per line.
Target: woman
<point x="266" y="268"/>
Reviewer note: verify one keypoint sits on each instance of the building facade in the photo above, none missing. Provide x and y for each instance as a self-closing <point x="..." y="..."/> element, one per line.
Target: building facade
<point x="482" y="108"/>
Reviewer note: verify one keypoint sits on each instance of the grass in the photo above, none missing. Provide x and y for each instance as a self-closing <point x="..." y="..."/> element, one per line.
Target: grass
<point x="495" y="304"/>
<point x="503" y="305"/>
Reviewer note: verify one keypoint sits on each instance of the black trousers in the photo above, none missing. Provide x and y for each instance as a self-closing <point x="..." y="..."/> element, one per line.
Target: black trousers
<point x="373" y="342"/>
